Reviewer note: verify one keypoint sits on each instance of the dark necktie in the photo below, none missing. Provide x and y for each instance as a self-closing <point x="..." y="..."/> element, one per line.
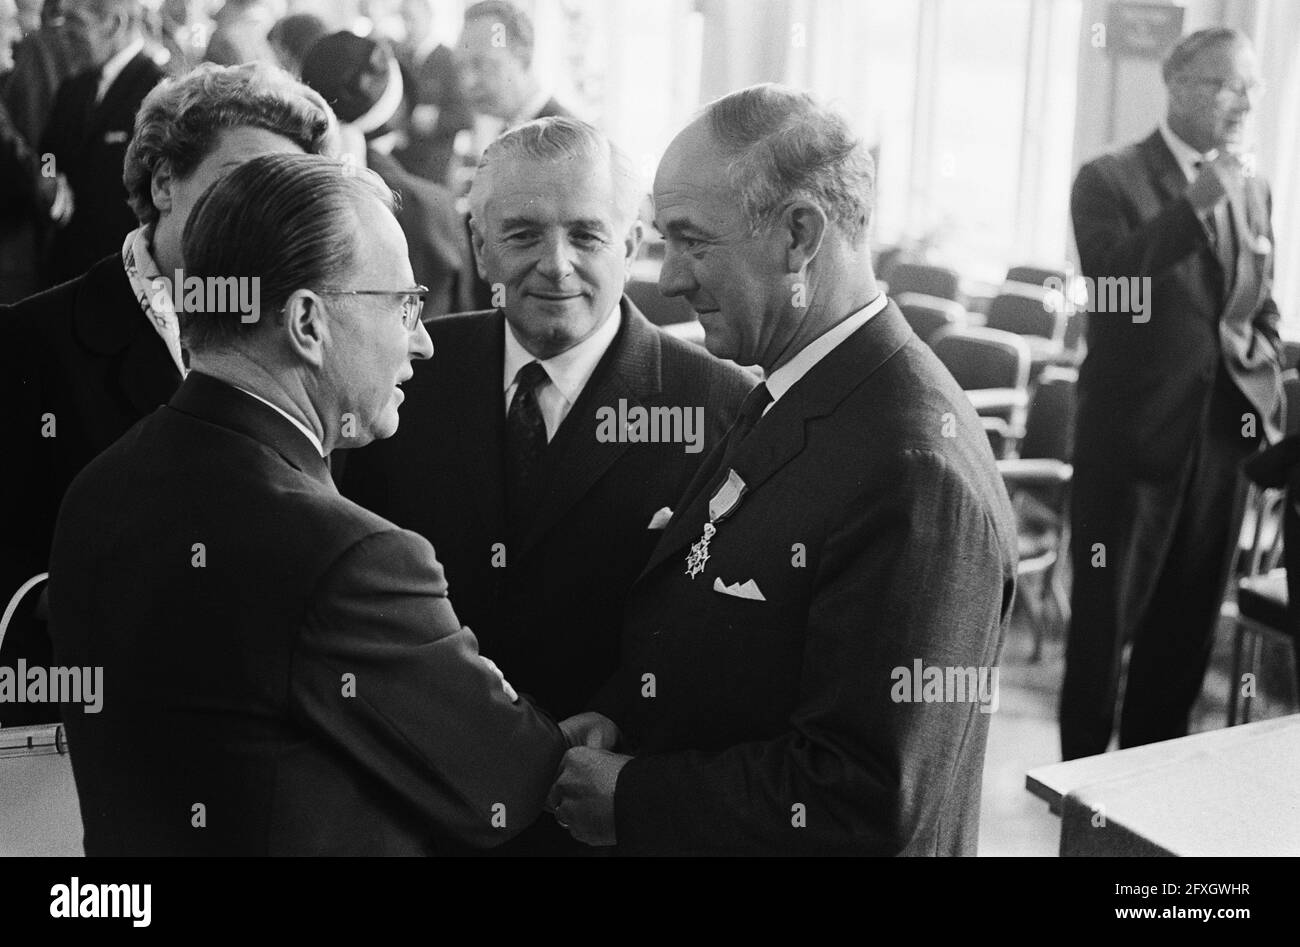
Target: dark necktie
<point x="751" y="409"/>
<point x="525" y="438"/>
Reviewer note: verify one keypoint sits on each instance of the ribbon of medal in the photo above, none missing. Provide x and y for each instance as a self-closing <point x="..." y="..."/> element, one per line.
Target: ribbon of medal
<point x="721" y="505"/>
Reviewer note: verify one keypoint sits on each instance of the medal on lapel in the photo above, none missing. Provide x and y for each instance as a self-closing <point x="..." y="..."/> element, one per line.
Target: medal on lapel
<point x="721" y="505"/>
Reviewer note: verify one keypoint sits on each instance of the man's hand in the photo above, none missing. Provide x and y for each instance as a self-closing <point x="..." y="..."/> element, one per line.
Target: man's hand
<point x="591" y="729"/>
<point x="1220" y="178"/>
<point x="583" y="795"/>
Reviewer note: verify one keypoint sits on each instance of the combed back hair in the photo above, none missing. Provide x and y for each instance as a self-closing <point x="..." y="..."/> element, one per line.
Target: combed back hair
<point x="1191" y="46"/>
<point x="290" y="220"/>
<point x="562" y="139"/>
<point x="783" y="146"/>
<point x="515" y="23"/>
<point x="179" y="121"/>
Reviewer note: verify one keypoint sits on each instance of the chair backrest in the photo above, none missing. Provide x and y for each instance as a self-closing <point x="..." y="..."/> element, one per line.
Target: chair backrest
<point x="1049" y="426"/>
<point x="1291" y="399"/>
<point x="980" y="357"/>
<point x="924" y="278"/>
<point x="1037" y="275"/>
<point x="1028" y="310"/>
<point x="928" y="314"/>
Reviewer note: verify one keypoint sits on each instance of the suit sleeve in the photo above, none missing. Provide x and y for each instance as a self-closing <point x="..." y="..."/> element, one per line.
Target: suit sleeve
<point x="429" y="717"/>
<point x="1268" y="318"/>
<point x="913" y="573"/>
<point x="1111" y="245"/>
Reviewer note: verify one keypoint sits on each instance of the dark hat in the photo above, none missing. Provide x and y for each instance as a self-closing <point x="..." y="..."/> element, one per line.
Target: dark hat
<point x="357" y="76"/>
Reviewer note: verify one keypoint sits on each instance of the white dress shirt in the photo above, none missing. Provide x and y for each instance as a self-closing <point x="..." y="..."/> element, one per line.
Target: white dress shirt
<point x="568" y="372"/>
<point x="784" y="378"/>
<point x="306" y="431"/>
<point x="113" y="68"/>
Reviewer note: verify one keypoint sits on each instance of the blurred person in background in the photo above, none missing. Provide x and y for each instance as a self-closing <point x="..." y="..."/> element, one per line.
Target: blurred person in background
<point x="42" y="61"/>
<point x="240" y="34"/>
<point x="438" y="108"/>
<point x="81" y="363"/>
<point x="361" y="81"/>
<point x="495" y="56"/>
<point x="89" y="128"/>
<point x="293" y="36"/>
<point x="183" y="31"/>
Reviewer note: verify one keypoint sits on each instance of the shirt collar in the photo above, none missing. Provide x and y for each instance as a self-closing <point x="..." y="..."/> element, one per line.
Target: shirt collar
<point x="784" y="378"/>
<point x="1186" y="156"/>
<point x="571" y="369"/>
<point x="306" y="431"/>
<point x="113" y="68"/>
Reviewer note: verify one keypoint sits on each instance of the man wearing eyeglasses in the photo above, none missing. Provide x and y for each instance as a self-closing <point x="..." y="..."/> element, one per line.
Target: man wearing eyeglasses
<point x="283" y="673"/>
<point x="1171" y="398"/>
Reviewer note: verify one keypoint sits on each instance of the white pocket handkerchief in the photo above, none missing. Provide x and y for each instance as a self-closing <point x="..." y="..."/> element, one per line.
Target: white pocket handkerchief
<point x="660" y="519"/>
<point x="747" y="589"/>
<point x="116" y="137"/>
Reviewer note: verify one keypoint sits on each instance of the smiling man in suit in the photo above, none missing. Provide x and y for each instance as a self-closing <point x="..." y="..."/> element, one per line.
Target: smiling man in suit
<point x="850" y="535"/>
<point x="1171" y="399"/>
<point x="512" y="455"/>
<point x="90" y="128"/>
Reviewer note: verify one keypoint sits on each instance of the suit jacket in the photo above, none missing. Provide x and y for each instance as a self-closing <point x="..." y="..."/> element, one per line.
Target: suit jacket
<point x="42" y="61"/>
<point x="434" y="81"/>
<point x="1144" y="387"/>
<point x="435" y="235"/>
<point x="79" y="364"/>
<point x="88" y="141"/>
<point x="546" y="604"/>
<point x="274" y="653"/>
<point x="879" y="535"/>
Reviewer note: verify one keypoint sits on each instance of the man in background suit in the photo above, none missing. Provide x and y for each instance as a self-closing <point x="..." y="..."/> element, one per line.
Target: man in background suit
<point x="438" y="110"/>
<point x="89" y="129"/>
<point x="1171" y="399"/>
<point x="849" y="537"/>
<point x="83" y="362"/>
<point x="495" y="56"/>
<point x="541" y="518"/>
<point x="283" y="673"/>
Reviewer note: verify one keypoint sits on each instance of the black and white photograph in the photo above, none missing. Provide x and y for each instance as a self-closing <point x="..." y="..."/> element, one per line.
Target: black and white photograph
<point x="699" y="429"/>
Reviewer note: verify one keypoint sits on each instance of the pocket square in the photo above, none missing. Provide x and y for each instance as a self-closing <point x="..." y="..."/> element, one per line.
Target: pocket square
<point x="115" y="137"/>
<point x="748" y="589"/>
<point x="660" y="519"/>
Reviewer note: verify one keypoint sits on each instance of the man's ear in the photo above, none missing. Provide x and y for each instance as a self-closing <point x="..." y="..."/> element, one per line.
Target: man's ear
<point x="476" y="241"/>
<point x="804" y="225"/>
<point x="631" y="244"/>
<point x="305" y="327"/>
<point x="161" y="183"/>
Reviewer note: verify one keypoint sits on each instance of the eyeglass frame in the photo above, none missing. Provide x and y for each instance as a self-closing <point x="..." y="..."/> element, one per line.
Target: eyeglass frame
<point x="420" y="292"/>
<point x="1240" y="88"/>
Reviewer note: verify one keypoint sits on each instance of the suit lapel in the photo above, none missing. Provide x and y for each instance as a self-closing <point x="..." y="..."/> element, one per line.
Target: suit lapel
<point x="781" y="434"/>
<point x="1168" y="179"/>
<point x="575" y="459"/>
<point x="481" y="420"/>
<point x="118" y="98"/>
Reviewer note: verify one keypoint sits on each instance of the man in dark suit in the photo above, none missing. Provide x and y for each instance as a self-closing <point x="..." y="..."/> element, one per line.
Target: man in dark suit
<point x="809" y="657"/>
<point x="437" y="108"/>
<point x="542" y="518"/>
<point x="83" y="362"/>
<point x="1172" y="396"/>
<point x="361" y="81"/>
<point x="89" y="129"/>
<point x="495" y="55"/>
<point x="283" y="672"/>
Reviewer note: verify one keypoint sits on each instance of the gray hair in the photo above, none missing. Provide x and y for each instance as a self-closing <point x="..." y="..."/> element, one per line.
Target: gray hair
<point x="1191" y="46"/>
<point x="288" y="220"/>
<point x="562" y="139"/>
<point x="785" y="147"/>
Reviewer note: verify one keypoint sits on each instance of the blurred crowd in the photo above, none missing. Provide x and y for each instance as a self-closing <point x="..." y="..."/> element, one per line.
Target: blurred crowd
<point x="74" y="72"/>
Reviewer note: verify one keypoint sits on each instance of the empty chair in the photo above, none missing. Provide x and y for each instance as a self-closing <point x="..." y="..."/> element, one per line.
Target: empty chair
<point x="1038" y="275"/>
<point x="1040" y="316"/>
<point x="992" y="366"/>
<point x="928" y="314"/>
<point x="923" y="278"/>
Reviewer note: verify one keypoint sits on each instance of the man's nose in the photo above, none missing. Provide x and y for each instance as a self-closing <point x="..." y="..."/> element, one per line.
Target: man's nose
<point x="675" y="277"/>
<point x="556" y="260"/>
<point x="421" y="344"/>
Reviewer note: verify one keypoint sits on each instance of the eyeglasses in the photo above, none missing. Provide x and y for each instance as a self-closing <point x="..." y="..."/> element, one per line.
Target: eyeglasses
<point x="412" y="300"/>
<point x="1239" y="88"/>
